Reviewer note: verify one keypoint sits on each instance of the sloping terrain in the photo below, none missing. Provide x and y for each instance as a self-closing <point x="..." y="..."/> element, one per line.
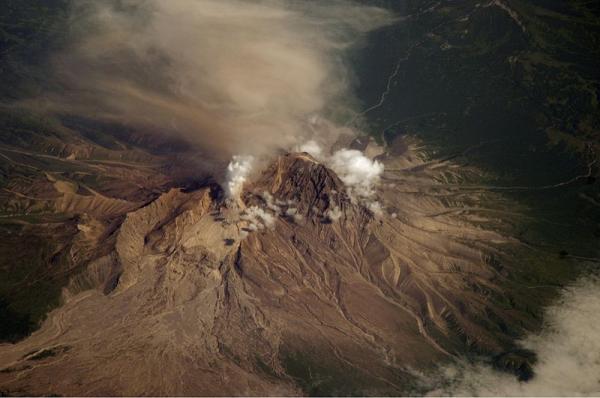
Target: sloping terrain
<point x="57" y="187"/>
<point x="194" y="299"/>
<point x="125" y="271"/>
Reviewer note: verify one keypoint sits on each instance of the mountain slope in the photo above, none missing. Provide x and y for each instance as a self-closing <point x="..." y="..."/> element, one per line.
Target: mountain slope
<point x="199" y="297"/>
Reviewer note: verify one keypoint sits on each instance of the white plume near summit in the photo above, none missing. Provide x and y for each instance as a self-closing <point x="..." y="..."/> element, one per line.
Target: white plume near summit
<point x="237" y="173"/>
<point x="311" y="147"/>
<point x="358" y="172"/>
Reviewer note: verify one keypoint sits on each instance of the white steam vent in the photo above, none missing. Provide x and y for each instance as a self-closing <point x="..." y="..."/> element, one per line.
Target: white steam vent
<point x="237" y="173"/>
<point x="359" y="173"/>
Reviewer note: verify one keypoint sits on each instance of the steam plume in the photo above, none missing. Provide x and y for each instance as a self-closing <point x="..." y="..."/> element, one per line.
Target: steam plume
<point x="358" y="172"/>
<point x="237" y="173"/>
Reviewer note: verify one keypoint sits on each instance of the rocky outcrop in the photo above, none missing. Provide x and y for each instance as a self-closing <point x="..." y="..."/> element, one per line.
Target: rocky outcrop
<point x="299" y="179"/>
<point x="132" y="235"/>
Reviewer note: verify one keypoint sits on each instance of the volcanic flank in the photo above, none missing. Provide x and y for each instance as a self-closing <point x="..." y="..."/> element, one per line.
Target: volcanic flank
<point x="302" y="290"/>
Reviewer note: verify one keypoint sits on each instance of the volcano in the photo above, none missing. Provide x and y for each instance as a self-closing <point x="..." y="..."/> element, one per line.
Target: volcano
<point x="297" y="289"/>
<point x="338" y="197"/>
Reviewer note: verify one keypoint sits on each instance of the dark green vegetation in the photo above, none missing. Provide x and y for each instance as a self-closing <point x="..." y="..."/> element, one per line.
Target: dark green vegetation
<point x="29" y="31"/>
<point x="32" y="275"/>
<point x="471" y="72"/>
<point x="510" y="87"/>
<point x="34" y="249"/>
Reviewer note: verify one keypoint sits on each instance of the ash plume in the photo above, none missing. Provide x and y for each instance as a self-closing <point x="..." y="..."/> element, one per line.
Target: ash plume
<point x="230" y="76"/>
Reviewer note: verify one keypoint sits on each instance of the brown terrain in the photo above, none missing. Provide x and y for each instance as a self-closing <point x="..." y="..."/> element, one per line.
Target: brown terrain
<point x="169" y="289"/>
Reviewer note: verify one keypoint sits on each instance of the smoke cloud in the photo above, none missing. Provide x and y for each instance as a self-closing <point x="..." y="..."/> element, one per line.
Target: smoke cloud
<point x="568" y="350"/>
<point x="231" y="76"/>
